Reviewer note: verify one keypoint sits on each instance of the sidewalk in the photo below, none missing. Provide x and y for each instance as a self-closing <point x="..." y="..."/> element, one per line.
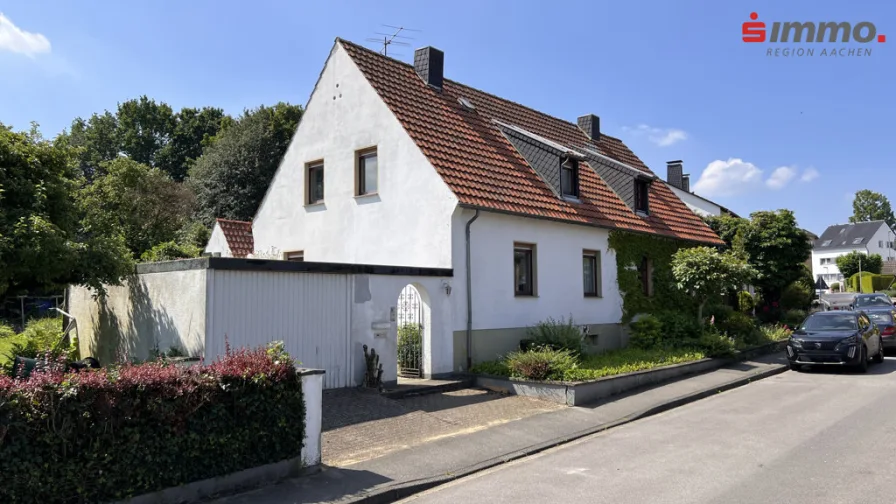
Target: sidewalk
<point x="402" y="473"/>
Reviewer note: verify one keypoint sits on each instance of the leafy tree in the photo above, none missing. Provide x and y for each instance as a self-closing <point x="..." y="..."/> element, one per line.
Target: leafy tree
<point x="141" y="203"/>
<point x="233" y="174"/>
<point x="169" y="251"/>
<point x="704" y="272"/>
<point x="870" y="206"/>
<point x="147" y="132"/>
<point x="848" y="264"/>
<point x="776" y="246"/>
<point x="44" y="243"/>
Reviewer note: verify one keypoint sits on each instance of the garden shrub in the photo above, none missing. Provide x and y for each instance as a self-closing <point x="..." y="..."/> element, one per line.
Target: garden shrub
<point x="41" y="338"/>
<point x="835" y="286"/>
<point x="557" y="334"/>
<point x="714" y="343"/>
<point x="793" y="317"/>
<point x="541" y="363"/>
<point x="745" y="301"/>
<point x="410" y="340"/>
<point x="6" y="331"/>
<point x="646" y="333"/>
<point x="719" y="313"/>
<point x="796" y="297"/>
<point x="738" y="325"/>
<point x="113" y="433"/>
<point x="679" y="328"/>
<point x="775" y="332"/>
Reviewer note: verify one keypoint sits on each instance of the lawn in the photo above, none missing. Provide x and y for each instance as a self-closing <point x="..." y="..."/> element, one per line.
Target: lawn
<point x="589" y="367"/>
<point x="6" y="344"/>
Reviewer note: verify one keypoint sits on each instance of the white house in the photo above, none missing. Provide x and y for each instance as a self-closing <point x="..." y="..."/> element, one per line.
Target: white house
<point x="230" y="238"/>
<point x="874" y="237"/>
<point x="394" y="165"/>
<point x="680" y="184"/>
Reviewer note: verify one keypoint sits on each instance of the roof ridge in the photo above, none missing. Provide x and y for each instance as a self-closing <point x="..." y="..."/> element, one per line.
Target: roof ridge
<point x="460" y="84"/>
<point x="221" y="219"/>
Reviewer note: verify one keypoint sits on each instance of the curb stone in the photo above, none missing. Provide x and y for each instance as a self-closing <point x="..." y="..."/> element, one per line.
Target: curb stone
<point x="405" y="490"/>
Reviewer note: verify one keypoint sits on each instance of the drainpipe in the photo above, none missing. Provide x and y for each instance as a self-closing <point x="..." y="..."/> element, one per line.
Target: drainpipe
<point x="470" y="296"/>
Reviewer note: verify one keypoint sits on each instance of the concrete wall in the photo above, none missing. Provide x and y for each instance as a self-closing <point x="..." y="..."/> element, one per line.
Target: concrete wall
<point x="499" y="317"/>
<point x="408" y="223"/>
<point x="217" y="242"/>
<point x="154" y="310"/>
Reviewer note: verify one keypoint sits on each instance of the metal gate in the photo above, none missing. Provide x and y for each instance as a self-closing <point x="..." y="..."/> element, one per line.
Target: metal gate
<point x="410" y="333"/>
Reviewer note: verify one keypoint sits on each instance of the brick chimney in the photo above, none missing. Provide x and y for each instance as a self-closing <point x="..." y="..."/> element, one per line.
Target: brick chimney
<point x="429" y="63"/>
<point x="686" y="183"/>
<point x="675" y="174"/>
<point x="590" y="124"/>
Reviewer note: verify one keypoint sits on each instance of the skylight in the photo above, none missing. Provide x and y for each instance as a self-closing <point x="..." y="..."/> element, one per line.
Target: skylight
<point x="466" y="103"/>
<point x="826" y="243"/>
<point x="857" y="241"/>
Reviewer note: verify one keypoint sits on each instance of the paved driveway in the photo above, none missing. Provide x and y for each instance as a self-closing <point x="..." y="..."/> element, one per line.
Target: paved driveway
<point x="801" y="438"/>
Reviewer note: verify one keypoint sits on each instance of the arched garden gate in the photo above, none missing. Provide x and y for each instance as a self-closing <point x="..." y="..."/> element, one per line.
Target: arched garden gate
<point x="410" y="322"/>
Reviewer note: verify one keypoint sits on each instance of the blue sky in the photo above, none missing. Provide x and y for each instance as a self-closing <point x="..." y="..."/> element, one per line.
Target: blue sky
<point x="673" y="81"/>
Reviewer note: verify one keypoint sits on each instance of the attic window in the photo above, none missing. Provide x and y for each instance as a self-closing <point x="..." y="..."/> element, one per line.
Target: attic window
<point x="641" y="192"/>
<point x="569" y="177"/>
<point x="826" y="243"/>
<point x="857" y="241"/>
<point x="467" y="104"/>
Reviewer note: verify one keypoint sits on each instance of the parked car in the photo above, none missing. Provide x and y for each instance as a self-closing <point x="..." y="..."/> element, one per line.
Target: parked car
<point x="869" y="301"/>
<point x="838" y="300"/>
<point x="885" y="319"/>
<point x="838" y="338"/>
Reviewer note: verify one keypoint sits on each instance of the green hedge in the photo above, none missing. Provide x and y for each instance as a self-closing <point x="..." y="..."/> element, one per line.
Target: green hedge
<point x="870" y="282"/>
<point x="114" y="433"/>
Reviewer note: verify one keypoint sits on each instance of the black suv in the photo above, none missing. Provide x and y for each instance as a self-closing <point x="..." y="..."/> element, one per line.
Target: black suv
<point x="839" y="338"/>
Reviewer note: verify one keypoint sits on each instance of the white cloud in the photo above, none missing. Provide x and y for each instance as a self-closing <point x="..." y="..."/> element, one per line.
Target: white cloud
<point x="727" y="178"/>
<point x="17" y="40"/>
<point x="662" y="137"/>
<point x="780" y="177"/>
<point x="809" y="175"/>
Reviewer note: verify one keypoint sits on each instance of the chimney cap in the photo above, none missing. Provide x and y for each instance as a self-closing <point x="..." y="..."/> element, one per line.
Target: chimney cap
<point x="677" y="161"/>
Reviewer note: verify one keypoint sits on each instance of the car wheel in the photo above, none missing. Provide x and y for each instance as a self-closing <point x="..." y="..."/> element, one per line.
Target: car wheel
<point x="795" y="367"/>
<point x="879" y="358"/>
<point x="862" y="366"/>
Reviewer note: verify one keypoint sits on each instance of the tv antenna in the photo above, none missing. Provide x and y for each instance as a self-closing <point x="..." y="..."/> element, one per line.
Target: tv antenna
<point x="395" y="37"/>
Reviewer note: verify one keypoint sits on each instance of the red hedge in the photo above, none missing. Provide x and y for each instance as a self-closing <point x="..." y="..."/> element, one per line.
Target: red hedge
<point x="110" y="434"/>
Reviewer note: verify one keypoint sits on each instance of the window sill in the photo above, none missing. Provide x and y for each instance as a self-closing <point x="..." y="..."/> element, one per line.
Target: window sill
<point x="593" y="296"/>
<point x="525" y="296"/>
<point x="642" y="213"/>
<point x="571" y="199"/>
<point x="370" y="195"/>
<point x="316" y="204"/>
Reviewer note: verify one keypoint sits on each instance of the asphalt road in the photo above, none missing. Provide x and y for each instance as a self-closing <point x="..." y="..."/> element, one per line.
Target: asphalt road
<point x="814" y="437"/>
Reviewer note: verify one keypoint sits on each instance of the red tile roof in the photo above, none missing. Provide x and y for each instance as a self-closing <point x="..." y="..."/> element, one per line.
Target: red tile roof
<point x="484" y="170"/>
<point x="239" y="236"/>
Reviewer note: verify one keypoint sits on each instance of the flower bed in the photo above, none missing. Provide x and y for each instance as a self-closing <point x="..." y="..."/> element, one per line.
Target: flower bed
<point x="115" y="433"/>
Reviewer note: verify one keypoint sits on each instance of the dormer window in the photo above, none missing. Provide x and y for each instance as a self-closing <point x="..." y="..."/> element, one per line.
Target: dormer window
<point x="641" y="191"/>
<point x="569" y="177"/>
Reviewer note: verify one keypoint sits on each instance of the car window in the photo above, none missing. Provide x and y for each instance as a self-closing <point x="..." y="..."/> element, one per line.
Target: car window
<point x="881" y="318"/>
<point x="873" y="301"/>
<point x="827" y="321"/>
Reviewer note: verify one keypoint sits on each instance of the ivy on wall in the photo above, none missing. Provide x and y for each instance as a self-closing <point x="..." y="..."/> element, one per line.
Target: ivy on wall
<point x="630" y="249"/>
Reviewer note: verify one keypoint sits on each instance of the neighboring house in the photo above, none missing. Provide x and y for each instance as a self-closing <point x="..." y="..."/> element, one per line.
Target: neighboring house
<point x="394" y="165"/>
<point x="680" y="183"/>
<point x="873" y="237"/>
<point x="230" y="238"/>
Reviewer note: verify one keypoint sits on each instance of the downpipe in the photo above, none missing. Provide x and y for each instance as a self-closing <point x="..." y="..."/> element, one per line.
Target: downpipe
<point x="470" y="295"/>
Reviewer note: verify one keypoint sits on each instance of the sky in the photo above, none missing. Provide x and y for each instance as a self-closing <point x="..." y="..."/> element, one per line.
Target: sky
<point x="755" y="132"/>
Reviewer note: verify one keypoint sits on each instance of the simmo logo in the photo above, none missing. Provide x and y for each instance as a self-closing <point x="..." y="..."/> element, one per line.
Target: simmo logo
<point x="811" y="32"/>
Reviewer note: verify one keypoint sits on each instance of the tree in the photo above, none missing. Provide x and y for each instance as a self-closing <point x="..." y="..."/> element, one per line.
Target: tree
<point x="849" y="264"/>
<point x="704" y="272"/>
<point x="44" y="243"/>
<point x="140" y="203"/>
<point x="146" y="132"/>
<point x="233" y="174"/>
<point x="871" y="206"/>
<point x="776" y="246"/>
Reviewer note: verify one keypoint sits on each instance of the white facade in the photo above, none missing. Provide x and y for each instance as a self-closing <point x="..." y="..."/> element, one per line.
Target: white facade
<point x="698" y="205"/>
<point x="217" y="243"/>
<point x="408" y="221"/>
<point x="824" y="261"/>
<point x="558" y="272"/>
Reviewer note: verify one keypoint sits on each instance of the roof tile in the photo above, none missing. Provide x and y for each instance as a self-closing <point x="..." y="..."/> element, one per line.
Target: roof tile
<point x="239" y="236"/>
<point x="484" y="170"/>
